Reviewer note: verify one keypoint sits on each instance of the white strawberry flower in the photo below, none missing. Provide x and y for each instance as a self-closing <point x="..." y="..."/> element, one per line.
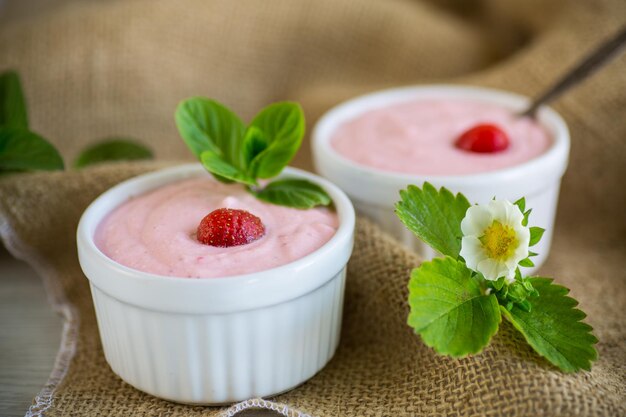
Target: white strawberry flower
<point x="494" y="239"/>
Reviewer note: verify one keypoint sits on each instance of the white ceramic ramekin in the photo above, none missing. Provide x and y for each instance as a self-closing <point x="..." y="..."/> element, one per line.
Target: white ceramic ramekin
<point x="374" y="192"/>
<point x="217" y="340"/>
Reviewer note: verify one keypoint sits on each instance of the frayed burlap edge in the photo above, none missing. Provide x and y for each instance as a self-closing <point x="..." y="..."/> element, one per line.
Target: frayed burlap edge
<point x="60" y="304"/>
<point x="259" y="403"/>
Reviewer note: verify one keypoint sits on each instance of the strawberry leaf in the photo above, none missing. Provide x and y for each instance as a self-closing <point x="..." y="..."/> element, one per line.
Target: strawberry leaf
<point x="434" y="216"/>
<point x="553" y="328"/>
<point x="449" y="309"/>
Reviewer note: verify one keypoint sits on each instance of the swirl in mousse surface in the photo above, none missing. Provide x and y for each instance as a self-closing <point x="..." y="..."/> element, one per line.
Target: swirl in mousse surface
<point x="156" y="232"/>
<point x="418" y="137"/>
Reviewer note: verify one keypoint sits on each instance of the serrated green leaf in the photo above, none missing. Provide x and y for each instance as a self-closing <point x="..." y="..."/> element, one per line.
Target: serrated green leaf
<point x="282" y="126"/>
<point x="13" y="111"/>
<point x="296" y="193"/>
<point x="222" y="170"/>
<point x="206" y="125"/>
<point x="449" y="309"/>
<point x="553" y="327"/>
<point x="535" y="235"/>
<point x="112" y="150"/>
<point x="22" y="150"/>
<point x="434" y="216"/>
<point x="521" y="203"/>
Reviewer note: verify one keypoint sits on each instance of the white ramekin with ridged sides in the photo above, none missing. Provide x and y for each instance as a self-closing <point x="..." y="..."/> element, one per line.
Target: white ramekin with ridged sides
<point x="374" y="192"/>
<point x="217" y="340"/>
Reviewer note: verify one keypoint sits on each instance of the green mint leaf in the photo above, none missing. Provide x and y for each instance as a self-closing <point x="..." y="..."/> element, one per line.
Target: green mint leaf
<point x="434" y="216"/>
<point x="521" y="203"/>
<point x="206" y="125"/>
<point x="112" y="150"/>
<point x="233" y="153"/>
<point x="22" y="150"/>
<point x="296" y="193"/>
<point x="282" y="126"/>
<point x="553" y="327"/>
<point x="449" y="309"/>
<point x="535" y="235"/>
<point x="12" y="103"/>
<point x="254" y="143"/>
<point x="222" y="170"/>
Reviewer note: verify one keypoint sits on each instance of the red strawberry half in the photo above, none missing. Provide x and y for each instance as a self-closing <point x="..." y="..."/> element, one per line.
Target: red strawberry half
<point x="230" y="227"/>
<point x="484" y="138"/>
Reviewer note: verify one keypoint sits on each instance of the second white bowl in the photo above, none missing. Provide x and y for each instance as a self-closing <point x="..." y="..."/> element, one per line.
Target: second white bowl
<point x="374" y="192"/>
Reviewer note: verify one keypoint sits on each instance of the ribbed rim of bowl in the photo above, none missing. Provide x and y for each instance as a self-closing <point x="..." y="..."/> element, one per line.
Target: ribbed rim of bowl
<point x="274" y="278"/>
<point x="348" y="110"/>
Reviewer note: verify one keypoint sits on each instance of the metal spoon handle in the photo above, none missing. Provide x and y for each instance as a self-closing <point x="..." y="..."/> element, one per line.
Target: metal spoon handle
<point x="586" y="67"/>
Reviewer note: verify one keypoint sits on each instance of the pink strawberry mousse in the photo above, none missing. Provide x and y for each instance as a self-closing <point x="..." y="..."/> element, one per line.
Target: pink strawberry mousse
<point x="156" y="231"/>
<point x="418" y="137"/>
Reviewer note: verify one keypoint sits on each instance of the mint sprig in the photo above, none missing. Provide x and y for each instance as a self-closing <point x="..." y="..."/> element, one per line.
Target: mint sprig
<point x="234" y="152"/>
<point x="113" y="149"/>
<point x="456" y="310"/>
<point x="20" y="148"/>
<point x="208" y="126"/>
<point x="24" y="150"/>
<point x="293" y="192"/>
<point x="276" y="133"/>
<point x="12" y="103"/>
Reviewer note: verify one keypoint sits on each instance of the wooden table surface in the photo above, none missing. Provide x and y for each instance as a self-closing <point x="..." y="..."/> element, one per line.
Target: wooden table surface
<point x="30" y="334"/>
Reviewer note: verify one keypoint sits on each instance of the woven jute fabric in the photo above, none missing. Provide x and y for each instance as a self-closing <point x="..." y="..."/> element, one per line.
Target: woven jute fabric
<point x="94" y="69"/>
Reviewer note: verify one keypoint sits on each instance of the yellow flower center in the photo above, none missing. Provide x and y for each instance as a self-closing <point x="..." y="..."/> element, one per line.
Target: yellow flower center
<point x="499" y="240"/>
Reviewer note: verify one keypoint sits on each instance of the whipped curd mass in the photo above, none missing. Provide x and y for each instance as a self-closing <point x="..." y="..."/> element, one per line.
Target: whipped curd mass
<point x="156" y="231"/>
<point x="418" y="137"/>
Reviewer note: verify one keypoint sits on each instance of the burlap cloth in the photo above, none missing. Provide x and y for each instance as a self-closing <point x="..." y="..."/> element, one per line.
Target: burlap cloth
<point x="93" y="69"/>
